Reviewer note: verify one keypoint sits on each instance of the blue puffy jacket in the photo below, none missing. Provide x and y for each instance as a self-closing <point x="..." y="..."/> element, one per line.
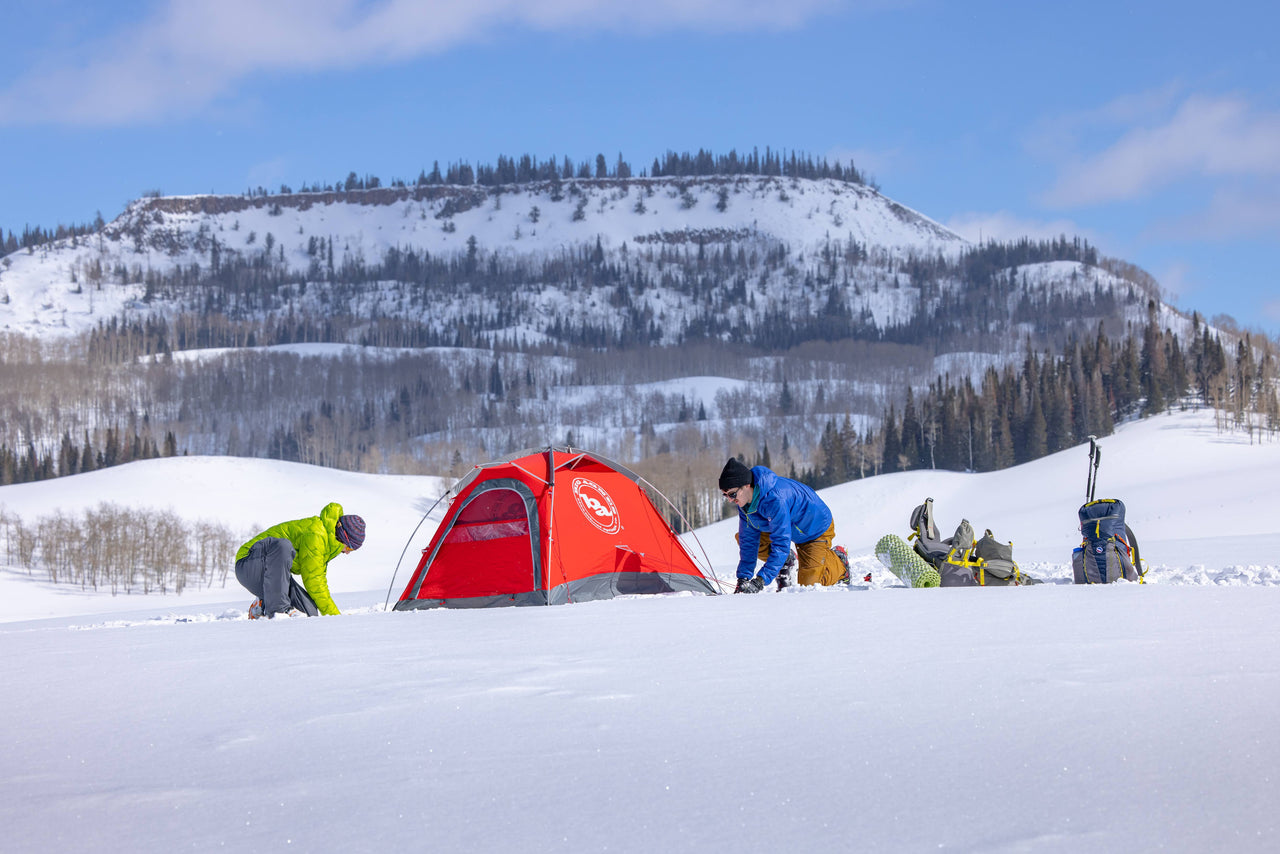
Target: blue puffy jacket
<point x="784" y="509"/>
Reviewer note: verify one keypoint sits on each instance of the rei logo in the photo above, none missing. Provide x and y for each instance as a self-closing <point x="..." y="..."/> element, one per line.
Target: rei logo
<point x="596" y="505"/>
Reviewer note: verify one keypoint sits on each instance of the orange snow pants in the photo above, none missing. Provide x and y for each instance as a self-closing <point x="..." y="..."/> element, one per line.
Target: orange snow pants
<point x="818" y="563"/>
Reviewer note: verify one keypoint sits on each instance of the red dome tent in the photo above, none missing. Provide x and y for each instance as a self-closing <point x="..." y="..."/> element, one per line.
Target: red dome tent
<point x="546" y="528"/>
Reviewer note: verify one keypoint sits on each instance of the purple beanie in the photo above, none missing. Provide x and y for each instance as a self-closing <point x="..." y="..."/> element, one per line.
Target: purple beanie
<point x="350" y="531"/>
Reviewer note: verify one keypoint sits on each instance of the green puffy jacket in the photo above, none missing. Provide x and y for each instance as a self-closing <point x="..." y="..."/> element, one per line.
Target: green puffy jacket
<point x="316" y="544"/>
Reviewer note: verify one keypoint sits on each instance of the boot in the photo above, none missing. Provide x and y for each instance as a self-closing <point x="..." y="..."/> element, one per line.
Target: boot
<point x="786" y="577"/>
<point x="843" y="554"/>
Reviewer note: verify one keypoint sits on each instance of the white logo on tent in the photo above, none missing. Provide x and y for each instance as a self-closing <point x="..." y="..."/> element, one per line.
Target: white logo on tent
<point x="596" y="505"/>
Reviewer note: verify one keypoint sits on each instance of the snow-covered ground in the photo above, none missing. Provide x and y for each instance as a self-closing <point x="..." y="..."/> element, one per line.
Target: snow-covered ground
<point x="1044" y="718"/>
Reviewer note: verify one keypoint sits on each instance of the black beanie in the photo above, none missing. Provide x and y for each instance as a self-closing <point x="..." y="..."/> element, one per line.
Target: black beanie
<point x="734" y="474"/>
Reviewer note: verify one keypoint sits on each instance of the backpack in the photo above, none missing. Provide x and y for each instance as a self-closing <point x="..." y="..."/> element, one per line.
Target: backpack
<point x="960" y="561"/>
<point x="928" y="542"/>
<point x="1109" y="551"/>
<point x="998" y="566"/>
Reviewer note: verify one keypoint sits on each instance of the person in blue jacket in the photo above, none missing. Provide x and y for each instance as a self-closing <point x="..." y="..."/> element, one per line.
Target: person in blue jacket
<point x="774" y="512"/>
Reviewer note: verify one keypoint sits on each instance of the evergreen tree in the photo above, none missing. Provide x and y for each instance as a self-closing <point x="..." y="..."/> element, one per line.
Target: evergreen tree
<point x="1178" y="374"/>
<point x="1152" y="375"/>
<point x="29" y="468"/>
<point x="110" y="454"/>
<point x="1057" y="394"/>
<point x="68" y="456"/>
<point x="1037" y="442"/>
<point x="496" y="388"/>
<point x="827" y="467"/>
<point x="909" y="450"/>
<point x="1128" y="389"/>
<point x="892" y="443"/>
<point x="87" y="462"/>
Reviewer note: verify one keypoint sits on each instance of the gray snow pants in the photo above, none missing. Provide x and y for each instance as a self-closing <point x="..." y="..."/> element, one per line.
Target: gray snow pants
<point x="264" y="572"/>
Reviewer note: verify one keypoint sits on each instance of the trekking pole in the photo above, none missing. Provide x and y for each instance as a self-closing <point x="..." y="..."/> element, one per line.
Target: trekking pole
<point x="1095" y="457"/>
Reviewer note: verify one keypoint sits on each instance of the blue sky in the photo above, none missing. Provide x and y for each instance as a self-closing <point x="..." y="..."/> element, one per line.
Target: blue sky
<point x="1150" y="128"/>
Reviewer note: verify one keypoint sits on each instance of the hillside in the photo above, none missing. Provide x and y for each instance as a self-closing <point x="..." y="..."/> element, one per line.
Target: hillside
<point x="607" y="261"/>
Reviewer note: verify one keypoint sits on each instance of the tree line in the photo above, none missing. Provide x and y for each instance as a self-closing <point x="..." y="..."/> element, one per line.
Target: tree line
<point x="116" y="447"/>
<point x="1052" y="402"/>
<point x="32" y="237"/>
<point x="529" y="169"/>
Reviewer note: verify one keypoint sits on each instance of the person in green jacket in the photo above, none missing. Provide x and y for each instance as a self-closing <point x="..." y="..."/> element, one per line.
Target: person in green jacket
<point x="265" y="565"/>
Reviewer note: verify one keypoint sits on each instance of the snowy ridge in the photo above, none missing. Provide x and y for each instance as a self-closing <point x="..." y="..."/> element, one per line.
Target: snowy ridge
<point x="50" y="290"/>
<point x="72" y="285"/>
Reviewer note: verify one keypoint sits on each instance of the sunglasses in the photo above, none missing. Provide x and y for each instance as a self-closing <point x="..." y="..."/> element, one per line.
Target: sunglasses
<point x="732" y="495"/>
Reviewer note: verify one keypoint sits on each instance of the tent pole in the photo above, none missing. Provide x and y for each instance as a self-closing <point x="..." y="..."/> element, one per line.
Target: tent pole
<point x="711" y="574"/>
<point x="405" y="551"/>
<point x="551" y="523"/>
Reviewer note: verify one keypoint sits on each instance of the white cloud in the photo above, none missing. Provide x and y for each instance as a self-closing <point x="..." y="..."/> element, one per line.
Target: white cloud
<point x="1215" y="138"/>
<point x="1059" y="138"/>
<point x="1234" y="212"/>
<point x="194" y="51"/>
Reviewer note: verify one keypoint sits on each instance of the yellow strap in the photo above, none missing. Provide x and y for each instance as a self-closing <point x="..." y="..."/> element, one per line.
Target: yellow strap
<point x="964" y="558"/>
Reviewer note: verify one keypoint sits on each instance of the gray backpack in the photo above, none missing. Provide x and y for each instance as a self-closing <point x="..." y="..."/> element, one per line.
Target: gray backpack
<point x="998" y="566"/>
<point x="960" y="561"/>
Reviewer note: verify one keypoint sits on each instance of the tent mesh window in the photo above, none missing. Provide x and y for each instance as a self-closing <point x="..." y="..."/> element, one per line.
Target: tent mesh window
<point x="489" y="516"/>
<point x="488" y="550"/>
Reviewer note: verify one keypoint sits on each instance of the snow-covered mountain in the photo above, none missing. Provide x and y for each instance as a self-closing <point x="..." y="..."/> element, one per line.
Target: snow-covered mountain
<point x="585" y="307"/>
<point x="521" y="263"/>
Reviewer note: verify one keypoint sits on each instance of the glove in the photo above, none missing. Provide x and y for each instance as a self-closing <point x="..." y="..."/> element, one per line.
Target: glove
<point x="749" y="585"/>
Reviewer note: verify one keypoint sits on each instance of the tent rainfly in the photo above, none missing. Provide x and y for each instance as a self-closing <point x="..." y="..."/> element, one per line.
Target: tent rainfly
<point x="548" y="527"/>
